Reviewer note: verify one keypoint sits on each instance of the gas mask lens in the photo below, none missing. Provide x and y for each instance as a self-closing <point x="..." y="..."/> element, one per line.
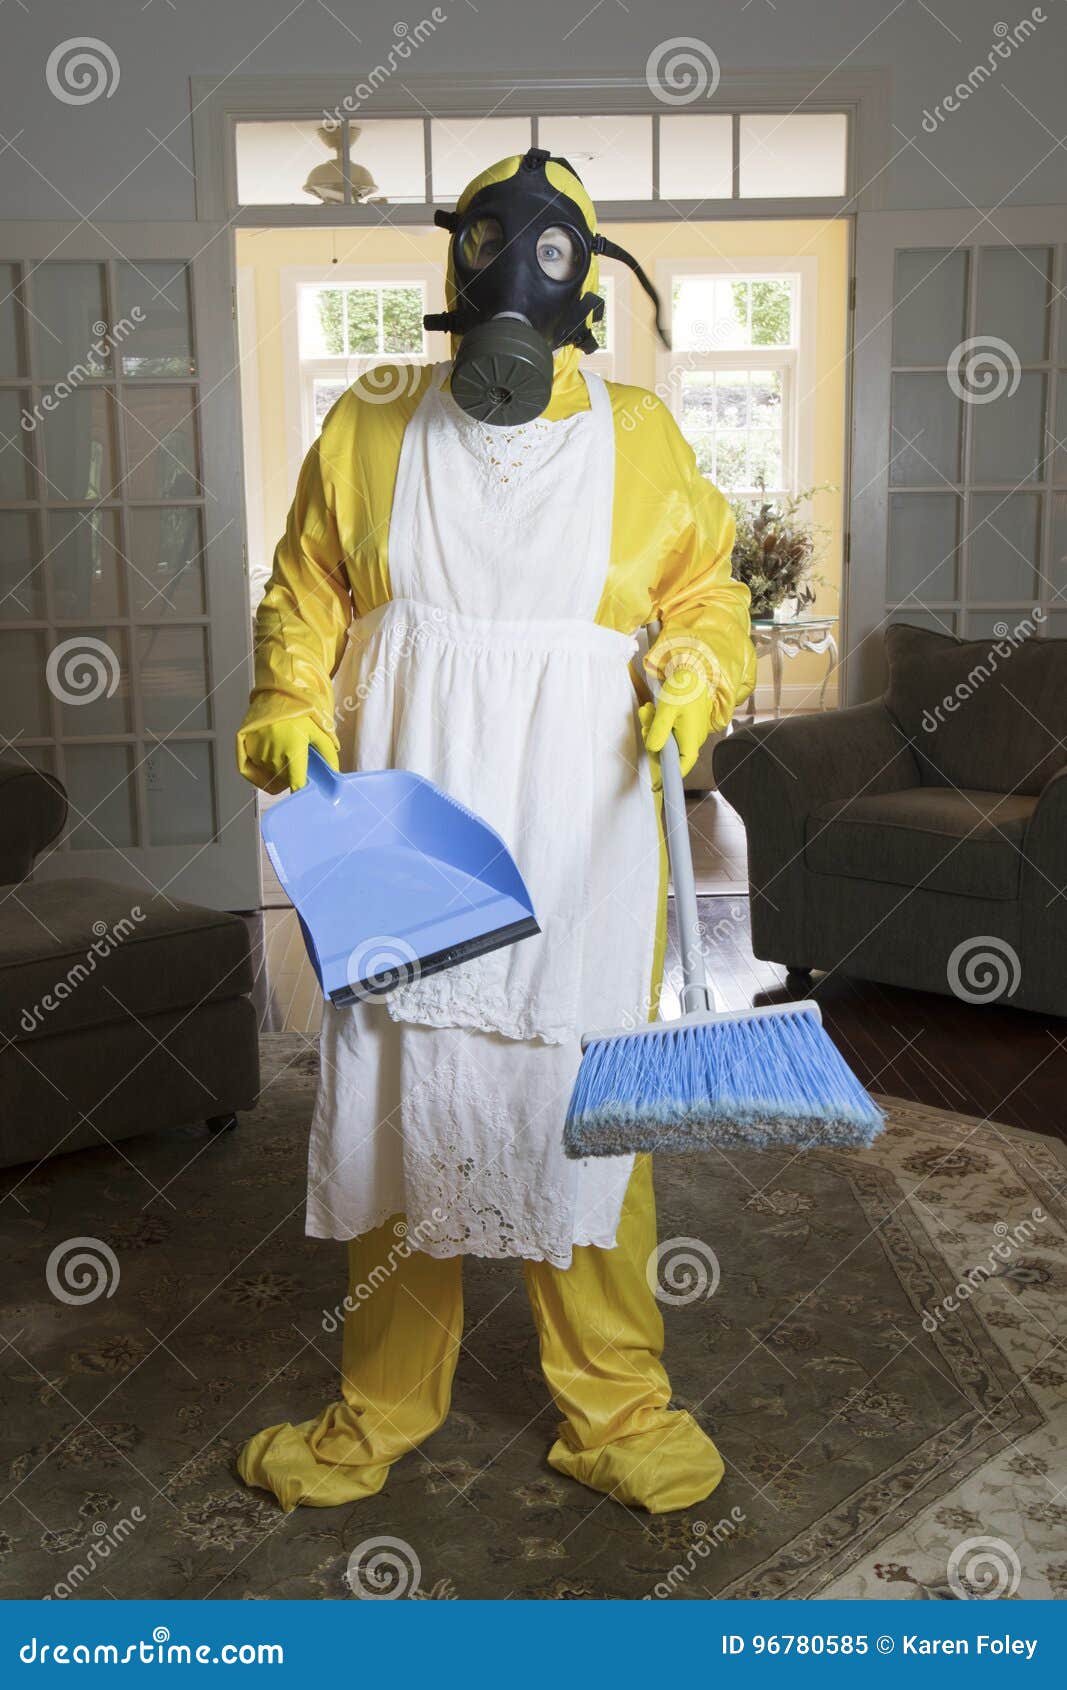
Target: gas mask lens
<point x="482" y="241"/>
<point x="558" y="253"/>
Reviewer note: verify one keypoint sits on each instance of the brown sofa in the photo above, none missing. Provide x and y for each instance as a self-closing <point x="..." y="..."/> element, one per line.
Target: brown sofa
<point x="120" y="1012"/>
<point x="920" y="839"/>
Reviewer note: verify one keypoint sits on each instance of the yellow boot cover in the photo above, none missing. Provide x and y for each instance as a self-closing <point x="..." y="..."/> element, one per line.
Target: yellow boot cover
<point x="401" y="1343"/>
<point x="601" y="1338"/>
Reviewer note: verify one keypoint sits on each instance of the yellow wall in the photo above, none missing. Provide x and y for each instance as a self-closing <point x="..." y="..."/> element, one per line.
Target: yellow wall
<point x="267" y="252"/>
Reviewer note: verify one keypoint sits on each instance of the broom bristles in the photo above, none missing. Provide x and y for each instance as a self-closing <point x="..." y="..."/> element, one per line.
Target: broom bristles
<point x="736" y="1084"/>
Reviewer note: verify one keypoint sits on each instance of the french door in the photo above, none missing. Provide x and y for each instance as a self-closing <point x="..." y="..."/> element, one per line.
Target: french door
<point x="959" y="473"/>
<point x="124" y="629"/>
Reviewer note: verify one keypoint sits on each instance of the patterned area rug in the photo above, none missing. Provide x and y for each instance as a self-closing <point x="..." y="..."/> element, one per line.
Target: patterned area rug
<point x="875" y="1341"/>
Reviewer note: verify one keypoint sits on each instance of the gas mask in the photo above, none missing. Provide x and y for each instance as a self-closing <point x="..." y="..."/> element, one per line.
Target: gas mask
<point x="520" y="254"/>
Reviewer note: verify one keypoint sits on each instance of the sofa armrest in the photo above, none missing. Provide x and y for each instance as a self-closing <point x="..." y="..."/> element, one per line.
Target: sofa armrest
<point x="33" y="809"/>
<point x="801" y="762"/>
<point x="776" y="773"/>
<point x="1045" y="844"/>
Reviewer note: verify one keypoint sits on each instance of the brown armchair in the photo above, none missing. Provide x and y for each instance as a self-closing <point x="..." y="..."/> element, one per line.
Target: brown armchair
<point x="921" y="839"/>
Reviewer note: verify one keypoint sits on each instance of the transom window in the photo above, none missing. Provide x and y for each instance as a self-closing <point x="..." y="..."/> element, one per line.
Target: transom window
<point x="673" y="156"/>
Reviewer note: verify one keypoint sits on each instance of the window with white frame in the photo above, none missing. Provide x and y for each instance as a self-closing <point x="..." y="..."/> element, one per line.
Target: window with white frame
<point x="346" y="324"/>
<point x="345" y="327"/>
<point x="733" y="376"/>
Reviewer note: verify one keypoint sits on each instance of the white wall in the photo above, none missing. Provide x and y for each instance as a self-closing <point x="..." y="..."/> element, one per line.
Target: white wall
<point x="130" y="156"/>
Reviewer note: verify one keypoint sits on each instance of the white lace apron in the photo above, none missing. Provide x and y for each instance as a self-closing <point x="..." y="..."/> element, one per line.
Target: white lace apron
<point x="487" y="673"/>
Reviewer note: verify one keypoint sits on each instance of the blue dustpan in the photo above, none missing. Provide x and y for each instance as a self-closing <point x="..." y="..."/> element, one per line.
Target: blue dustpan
<point x="391" y="879"/>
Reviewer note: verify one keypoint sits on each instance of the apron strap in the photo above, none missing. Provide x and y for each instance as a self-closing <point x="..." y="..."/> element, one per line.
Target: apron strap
<point x="599" y="403"/>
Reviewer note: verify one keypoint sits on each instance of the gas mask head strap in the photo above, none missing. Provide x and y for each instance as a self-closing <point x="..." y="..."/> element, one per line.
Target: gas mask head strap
<point x="610" y="249"/>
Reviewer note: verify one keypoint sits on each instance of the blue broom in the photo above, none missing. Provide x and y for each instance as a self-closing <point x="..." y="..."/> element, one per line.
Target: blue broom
<point x="750" y="1079"/>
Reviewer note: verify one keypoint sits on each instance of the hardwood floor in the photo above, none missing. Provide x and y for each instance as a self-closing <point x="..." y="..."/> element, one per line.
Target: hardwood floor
<point x="717" y="837"/>
<point x="999" y="1063"/>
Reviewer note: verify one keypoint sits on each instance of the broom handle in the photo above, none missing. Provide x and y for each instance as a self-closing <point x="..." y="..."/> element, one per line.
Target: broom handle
<point x="695" y="993"/>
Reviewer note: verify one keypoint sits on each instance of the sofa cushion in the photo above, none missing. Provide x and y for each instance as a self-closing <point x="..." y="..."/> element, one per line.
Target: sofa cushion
<point x="987" y="715"/>
<point x="969" y="843"/>
<point x="80" y="953"/>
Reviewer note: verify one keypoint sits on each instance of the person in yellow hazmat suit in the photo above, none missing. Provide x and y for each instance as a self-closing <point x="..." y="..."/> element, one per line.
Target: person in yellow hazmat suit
<point x="470" y="551"/>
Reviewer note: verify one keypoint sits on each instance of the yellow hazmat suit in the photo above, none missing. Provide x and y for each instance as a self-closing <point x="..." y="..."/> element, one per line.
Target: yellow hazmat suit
<point x="597" y="1320"/>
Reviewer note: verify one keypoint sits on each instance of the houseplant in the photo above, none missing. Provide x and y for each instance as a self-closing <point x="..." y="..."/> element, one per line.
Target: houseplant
<point x="775" y="550"/>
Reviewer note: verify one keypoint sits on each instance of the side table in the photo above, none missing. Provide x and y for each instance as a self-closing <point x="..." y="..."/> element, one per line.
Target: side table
<point x="788" y="640"/>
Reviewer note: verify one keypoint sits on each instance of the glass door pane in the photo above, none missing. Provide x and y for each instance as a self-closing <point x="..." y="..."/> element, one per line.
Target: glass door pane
<point x="930" y="306"/>
<point x="12" y="321"/>
<point x="154" y="330"/>
<point x="70" y="322"/>
<point x="1014" y="296"/>
<point x="21" y="582"/>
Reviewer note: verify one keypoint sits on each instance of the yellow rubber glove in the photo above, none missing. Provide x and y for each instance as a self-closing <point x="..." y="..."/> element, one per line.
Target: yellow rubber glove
<point x="280" y="750"/>
<point x="683" y="708"/>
